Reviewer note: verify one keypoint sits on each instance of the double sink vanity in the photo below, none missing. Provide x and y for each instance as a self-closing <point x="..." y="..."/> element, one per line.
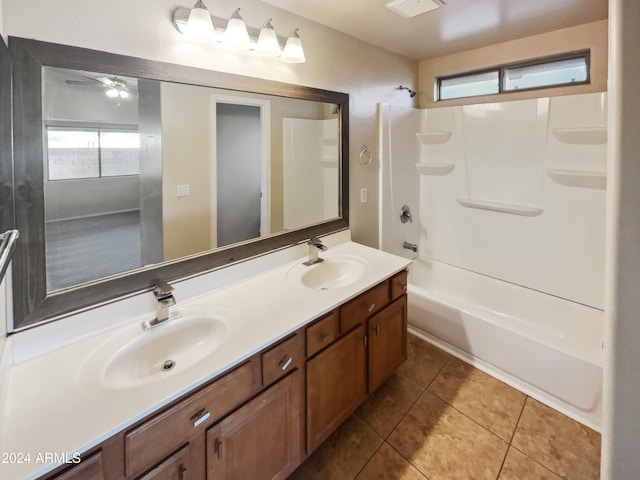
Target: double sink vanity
<point x="244" y="381"/>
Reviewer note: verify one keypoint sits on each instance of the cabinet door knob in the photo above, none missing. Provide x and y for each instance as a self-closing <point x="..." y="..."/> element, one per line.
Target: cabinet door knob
<point x="199" y="417"/>
<point x="371" y="307"/>
<point x="285" y="362"/>
<point x="377" y="329"/>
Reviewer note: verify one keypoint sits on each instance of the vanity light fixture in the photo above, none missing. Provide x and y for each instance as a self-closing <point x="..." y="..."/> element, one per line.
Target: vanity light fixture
<point x="199" y="24"/>
<point x="293" y="52"/>
<point x="235" y="33"/>
<point x="268" y="45"/>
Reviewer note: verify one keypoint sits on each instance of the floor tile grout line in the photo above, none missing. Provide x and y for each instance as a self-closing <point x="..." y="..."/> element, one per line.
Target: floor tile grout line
<point x="408" y="461"/>
<point x="471" y="418"/>
<point x="370" y="458"/>
<point x="524" y="404"/>
<point x="536" y="462"/>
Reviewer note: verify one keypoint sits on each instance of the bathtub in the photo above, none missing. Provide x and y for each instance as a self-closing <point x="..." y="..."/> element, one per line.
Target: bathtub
<point x="547" y="347"/>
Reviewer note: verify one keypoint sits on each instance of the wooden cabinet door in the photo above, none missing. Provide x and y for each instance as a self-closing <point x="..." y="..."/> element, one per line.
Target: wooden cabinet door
<point x="387" y="342"/>
<point x="176" y="467"/>
<point x="262" y="440"/>
<point x="336" y="385"/>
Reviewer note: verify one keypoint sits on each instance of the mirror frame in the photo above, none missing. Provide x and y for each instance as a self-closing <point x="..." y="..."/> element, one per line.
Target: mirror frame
<point x="6" y="168"/>
<point x="32" y="303"/>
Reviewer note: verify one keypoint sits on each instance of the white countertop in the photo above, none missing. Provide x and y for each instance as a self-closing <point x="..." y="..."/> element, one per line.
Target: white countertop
<point x="47" y="407"/>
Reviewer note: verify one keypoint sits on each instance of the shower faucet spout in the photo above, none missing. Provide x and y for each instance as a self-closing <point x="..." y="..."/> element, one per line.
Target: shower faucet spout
<point x="410" y="246"/>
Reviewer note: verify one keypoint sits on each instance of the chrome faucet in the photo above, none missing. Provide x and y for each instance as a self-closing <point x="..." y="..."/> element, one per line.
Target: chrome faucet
<point x="165" y="299"/>
<point x="315" y="246"/>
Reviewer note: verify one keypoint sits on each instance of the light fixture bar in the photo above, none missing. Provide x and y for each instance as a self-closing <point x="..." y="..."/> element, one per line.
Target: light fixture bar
<point x="181" y="16"/>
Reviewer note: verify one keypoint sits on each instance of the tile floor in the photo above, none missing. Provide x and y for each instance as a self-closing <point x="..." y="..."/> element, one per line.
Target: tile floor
<point x="438" y="418"/>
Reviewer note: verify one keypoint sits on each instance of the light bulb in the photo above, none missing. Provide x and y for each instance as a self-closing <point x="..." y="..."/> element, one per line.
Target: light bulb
<point x="199" y="24"/>
<point x="236" y="35"/>
<point x="268" y="45"/>
<point x="293" y="52"/>
<point x="112" y="93"/>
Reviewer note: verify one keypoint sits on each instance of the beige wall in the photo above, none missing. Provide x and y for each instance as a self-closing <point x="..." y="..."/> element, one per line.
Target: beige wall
<point x="591" y="36"/>
<point x="185" y="161"/>
<point x="334" y="62"/>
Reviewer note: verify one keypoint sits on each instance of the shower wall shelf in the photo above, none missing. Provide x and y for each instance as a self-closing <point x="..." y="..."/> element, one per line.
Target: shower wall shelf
<point x="579" y="178"/>
<point x="512" y="208"/>
<point x="434" y="138"/>
<point x="581" y="136"/>
<point x="435" y="168"/>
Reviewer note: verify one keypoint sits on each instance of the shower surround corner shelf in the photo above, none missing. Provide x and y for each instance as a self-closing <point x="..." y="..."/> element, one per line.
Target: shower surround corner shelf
<point x="439" y="169"/>
<point x="579" y="178"/>
<point x="581" y="136"/>
<point x="512" y="208"/>
<point x="328" y="140"/>
<point x="329" y="162"/>
<point x="434" y="138"/>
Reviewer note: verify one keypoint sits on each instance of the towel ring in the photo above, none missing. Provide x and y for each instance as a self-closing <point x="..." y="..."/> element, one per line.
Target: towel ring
<point x="365" y="156"/>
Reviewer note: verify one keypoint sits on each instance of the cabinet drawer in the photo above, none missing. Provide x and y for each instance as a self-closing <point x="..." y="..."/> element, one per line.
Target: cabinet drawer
<point x="360" y="308"/>
<point x="89" y="468"/>
<point x="322" y="333"/>
<point x="398" y="285"/>
<point x="152" y="441"/>
<point x="282" y="359"/>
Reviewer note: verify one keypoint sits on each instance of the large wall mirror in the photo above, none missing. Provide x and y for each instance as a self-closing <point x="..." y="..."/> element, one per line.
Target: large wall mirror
<point x="128" y="170"/>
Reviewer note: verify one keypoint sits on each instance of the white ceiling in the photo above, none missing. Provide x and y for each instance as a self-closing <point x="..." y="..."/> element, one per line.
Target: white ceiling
<point x="457" y="26"/>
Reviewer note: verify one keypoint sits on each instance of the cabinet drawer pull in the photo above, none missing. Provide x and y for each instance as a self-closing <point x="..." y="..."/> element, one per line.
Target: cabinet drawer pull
<point x="404" y="287"/>
<point x="326" y="337"/>
<point x="285" y="362"/>
<point x="377" y="329"/>
<point x="371" y="307"/>
<point x="199" y="417"/>
<point x="182" y="472"/>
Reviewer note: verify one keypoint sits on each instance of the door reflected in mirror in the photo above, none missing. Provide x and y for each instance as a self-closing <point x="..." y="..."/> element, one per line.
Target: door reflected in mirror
<point x="140" y="172"/>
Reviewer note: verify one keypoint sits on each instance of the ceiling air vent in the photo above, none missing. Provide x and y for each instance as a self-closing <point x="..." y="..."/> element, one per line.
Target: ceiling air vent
<point x="411" y="8"/>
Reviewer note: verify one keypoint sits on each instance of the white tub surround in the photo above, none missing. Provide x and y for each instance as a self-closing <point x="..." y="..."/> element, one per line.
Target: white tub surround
<point x="545" y="346"/>
<point x="514" y="191"/>
<point x="49" y="403"/>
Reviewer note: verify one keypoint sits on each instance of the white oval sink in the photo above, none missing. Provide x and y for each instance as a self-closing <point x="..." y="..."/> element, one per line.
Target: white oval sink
<point x="164" y="349"/>
<point x="134" y="357"/>
<point x="330" y="274"/>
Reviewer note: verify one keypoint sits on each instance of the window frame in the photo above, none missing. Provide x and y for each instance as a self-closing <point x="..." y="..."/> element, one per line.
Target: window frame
<point x="89" y="127"/>
<point x="500" y="69"/>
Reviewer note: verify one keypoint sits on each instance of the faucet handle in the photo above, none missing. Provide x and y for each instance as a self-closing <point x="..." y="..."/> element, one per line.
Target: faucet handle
<point x="162" y="289"/>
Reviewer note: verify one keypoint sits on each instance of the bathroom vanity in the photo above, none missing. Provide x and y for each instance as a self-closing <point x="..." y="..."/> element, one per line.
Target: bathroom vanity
<point x="250" y="422"/>
<point x="304" y="347"/>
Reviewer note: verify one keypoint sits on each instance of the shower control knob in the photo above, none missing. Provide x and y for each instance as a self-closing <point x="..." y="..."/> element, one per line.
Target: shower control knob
<point x="405" y="214"/>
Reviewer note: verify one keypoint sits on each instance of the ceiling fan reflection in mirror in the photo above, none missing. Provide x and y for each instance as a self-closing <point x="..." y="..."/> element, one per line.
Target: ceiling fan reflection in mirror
<point x="114" y="87"/>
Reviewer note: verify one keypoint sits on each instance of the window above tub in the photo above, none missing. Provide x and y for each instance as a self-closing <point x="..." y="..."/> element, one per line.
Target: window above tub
<point x="560" y="70"/>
